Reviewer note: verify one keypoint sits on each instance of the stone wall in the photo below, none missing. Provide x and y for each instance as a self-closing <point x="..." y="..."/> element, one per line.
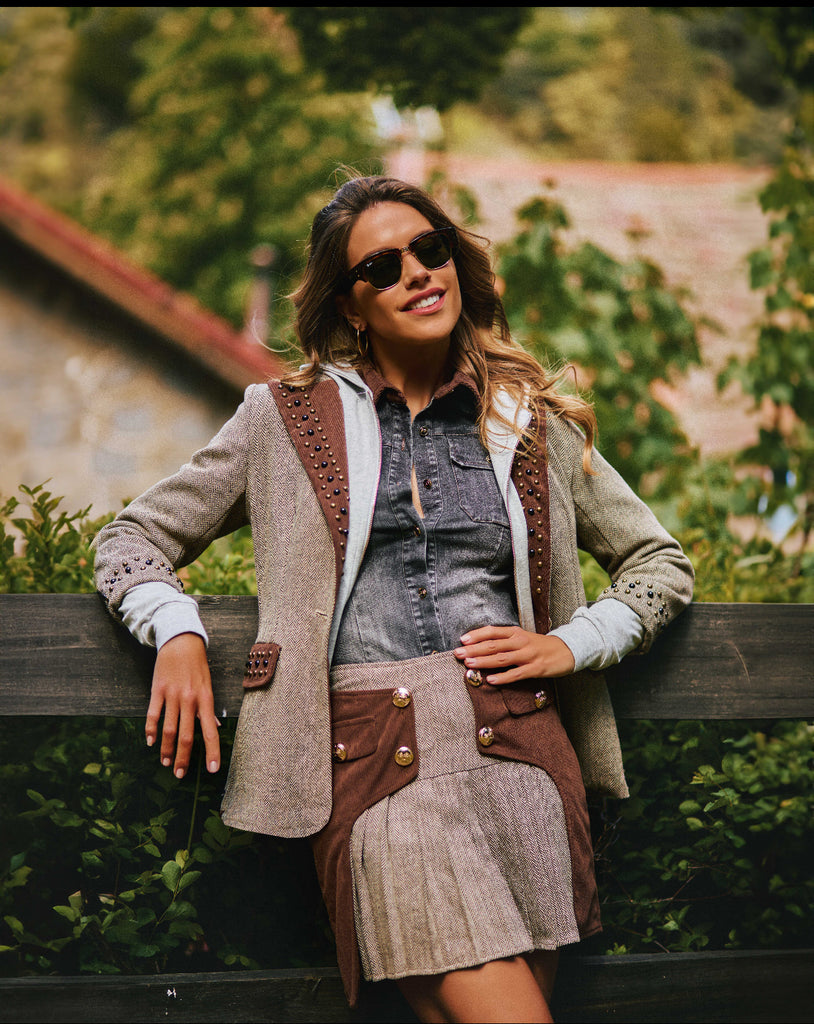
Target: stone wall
<point x="89" y="399"/>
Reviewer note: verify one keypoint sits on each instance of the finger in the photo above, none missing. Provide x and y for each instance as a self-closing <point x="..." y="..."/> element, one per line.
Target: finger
<point x="482" y="633"/>
<point x="511" y="675"/>
<point x="496" y="653"/>
<point x="153" y="715"/>
<point x="186" y="735"/>
<point x="209" y="730"/>
<point x="169" y="732"/>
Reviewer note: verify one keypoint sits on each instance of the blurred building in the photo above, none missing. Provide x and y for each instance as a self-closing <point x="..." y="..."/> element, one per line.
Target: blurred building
<point x="109" y="379"/>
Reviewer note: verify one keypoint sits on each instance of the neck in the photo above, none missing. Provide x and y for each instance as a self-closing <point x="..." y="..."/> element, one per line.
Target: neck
<point x="417" y="374"/>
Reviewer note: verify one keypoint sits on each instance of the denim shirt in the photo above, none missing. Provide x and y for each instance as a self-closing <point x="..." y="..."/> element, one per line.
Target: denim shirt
<point x="424" y="581"/>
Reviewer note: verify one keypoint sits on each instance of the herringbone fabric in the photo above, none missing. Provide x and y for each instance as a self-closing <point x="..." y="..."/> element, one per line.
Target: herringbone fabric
<point x="280" y="775"/>
<point x="471" y="861"/>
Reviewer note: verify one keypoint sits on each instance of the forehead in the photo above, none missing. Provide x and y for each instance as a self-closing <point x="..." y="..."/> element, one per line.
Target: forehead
<point x="384" y="226"/>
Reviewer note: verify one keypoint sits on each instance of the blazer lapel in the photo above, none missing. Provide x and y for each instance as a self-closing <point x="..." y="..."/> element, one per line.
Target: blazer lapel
<point x="530" y="477"/>
<point x="531" y="529"/>
<point x="314" y="420"/>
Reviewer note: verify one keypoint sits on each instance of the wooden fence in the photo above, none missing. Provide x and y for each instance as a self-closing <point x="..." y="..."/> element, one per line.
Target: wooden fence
<point x="63" y="655"/>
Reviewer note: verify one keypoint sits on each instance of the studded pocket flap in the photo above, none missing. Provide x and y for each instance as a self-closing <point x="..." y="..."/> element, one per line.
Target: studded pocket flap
<point x="260" y="665"/>
<point x="523" y="698"/>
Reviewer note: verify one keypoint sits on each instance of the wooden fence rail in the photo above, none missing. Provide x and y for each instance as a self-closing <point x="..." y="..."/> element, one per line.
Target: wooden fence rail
<point x="63" y="655"/>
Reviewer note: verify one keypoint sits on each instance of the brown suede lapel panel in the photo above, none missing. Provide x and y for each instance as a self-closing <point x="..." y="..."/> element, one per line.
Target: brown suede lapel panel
<point x="530" y="477"/>
<point x="315" y="423"/>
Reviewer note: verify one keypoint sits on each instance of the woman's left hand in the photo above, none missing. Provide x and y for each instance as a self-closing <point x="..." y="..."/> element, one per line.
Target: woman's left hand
<point x="516" y="652"/>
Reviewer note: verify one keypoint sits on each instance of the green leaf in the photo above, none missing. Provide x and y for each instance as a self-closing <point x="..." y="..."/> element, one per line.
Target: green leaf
<point x="187" y="879"/>
<point x="171" y="874"/>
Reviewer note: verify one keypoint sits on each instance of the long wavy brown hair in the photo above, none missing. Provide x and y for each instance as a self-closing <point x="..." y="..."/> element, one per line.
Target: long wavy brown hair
<point x="481" y="342"/>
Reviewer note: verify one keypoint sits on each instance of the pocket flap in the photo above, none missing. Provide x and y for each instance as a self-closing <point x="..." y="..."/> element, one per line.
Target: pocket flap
<point x="260" y="666"/>
<point x="467" y="450"/>
<point x="523" y="698"/>
<point x="354" y="738"/>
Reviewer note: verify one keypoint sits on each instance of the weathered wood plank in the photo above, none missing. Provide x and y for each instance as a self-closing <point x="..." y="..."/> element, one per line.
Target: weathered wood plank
<point x="723" y="661"/>
<point x="764" y="987"/>
<point x="62" y="654"/>
<point x="748" y="987"/>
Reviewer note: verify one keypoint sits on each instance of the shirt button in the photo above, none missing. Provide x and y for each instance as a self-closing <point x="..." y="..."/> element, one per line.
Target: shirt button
<point x="428" y="483"/>
<point x="424" y="431"/>
<point x="340" y="752"/>
<point x="417" y="530"/>
<point x="540" y="699"/>
<point x="401" y="697"/>
<point x="403" y="757"/>
<point x="422" y="592"/>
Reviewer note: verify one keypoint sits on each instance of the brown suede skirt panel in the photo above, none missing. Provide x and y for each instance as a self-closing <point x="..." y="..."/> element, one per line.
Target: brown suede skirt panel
<point x="380" y="750"/>
<point x="368" y="730"/>
<point x="524" y="731"/>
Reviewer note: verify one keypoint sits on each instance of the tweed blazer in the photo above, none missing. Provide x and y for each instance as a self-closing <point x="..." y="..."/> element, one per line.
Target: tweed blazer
<point x="299" y="465"/>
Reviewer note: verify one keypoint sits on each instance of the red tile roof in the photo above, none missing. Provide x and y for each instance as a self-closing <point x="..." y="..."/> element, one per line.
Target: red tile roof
<point x="174" y="315"/>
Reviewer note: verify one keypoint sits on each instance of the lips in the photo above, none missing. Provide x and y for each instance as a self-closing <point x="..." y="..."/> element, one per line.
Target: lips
<point x="427" y="301"/>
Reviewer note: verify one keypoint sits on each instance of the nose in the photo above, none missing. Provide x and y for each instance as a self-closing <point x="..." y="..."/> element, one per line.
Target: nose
<point x="412" y="269"/>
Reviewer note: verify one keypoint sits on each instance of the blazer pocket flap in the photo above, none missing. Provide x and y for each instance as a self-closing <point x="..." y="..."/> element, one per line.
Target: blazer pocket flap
<point x="354" y="738"/>
<point x="260" y="665"/>
<point x="523" y="698"/>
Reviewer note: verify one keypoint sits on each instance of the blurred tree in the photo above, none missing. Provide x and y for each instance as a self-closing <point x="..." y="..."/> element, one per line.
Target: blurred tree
<point x="630" y="83"/>
<point x="767" y="46"/>
<point x="50" y="144"/>
<point x="444" y="55"/>
<point x="104" y="63"/>
<point x="619" y="324"/>
<point x="778" y="376"/>
<point x="231" y="145"/>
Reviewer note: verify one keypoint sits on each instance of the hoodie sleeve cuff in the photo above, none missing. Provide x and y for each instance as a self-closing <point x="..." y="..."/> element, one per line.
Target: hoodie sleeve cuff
<point x="156" y="612"/>
<point x="601" y="635"/>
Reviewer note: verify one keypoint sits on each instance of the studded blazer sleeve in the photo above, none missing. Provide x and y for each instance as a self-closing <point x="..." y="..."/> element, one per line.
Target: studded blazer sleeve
<point x="649" y="571"/>
<point x="169" y="525"/>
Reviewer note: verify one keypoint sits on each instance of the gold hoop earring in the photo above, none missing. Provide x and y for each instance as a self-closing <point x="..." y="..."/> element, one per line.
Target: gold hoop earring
<point x="362" y="344"/>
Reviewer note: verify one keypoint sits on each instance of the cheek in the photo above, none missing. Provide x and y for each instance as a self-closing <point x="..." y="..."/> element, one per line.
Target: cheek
<point x="454" y="298"/>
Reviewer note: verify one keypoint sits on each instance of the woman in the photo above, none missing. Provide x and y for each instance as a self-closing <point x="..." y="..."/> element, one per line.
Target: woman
<point x="417" y="494"/>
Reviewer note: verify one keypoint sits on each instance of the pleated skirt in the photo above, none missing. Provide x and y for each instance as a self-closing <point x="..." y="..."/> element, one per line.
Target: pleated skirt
<point x="480" y="857"/>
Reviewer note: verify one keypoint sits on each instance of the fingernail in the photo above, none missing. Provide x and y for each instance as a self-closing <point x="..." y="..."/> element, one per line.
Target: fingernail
<point x="179" y="773"/>
<point x="465" y="638"/>
<point x="150" y="740"/>
<point x="166" y="761"/>
<point x="213" y="766"/>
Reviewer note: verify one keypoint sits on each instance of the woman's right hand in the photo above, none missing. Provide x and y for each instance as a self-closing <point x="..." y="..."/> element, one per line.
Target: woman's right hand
<point x="182" y="690"/>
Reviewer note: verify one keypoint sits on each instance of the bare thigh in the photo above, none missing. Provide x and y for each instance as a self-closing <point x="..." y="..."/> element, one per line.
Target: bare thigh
<point x="514" y="991"/>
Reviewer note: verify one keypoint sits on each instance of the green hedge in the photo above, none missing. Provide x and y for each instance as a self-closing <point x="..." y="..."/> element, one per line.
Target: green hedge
<point x="110" y="864"/>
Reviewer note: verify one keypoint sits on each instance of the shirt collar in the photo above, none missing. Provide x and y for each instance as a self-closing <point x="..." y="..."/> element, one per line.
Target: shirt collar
<point x="379" y="386"/>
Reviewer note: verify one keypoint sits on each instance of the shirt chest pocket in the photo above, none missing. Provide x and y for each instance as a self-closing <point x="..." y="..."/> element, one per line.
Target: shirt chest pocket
<point x="475" y="481"/>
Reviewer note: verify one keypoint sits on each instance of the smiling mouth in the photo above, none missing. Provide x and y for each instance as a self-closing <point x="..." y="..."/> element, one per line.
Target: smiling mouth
<point x="427" y="302"/>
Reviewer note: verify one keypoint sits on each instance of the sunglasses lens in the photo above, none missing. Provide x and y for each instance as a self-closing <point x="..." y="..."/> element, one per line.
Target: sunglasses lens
<point x="383" y="271"/>
<point x="433" y="250"/>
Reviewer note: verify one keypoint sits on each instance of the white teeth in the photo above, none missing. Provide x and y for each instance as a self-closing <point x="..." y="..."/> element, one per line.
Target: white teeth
<point x="431" y="300"/>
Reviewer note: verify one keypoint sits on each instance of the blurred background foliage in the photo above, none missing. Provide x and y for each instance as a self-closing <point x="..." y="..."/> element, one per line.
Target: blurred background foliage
<point x="188" y="137"/>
